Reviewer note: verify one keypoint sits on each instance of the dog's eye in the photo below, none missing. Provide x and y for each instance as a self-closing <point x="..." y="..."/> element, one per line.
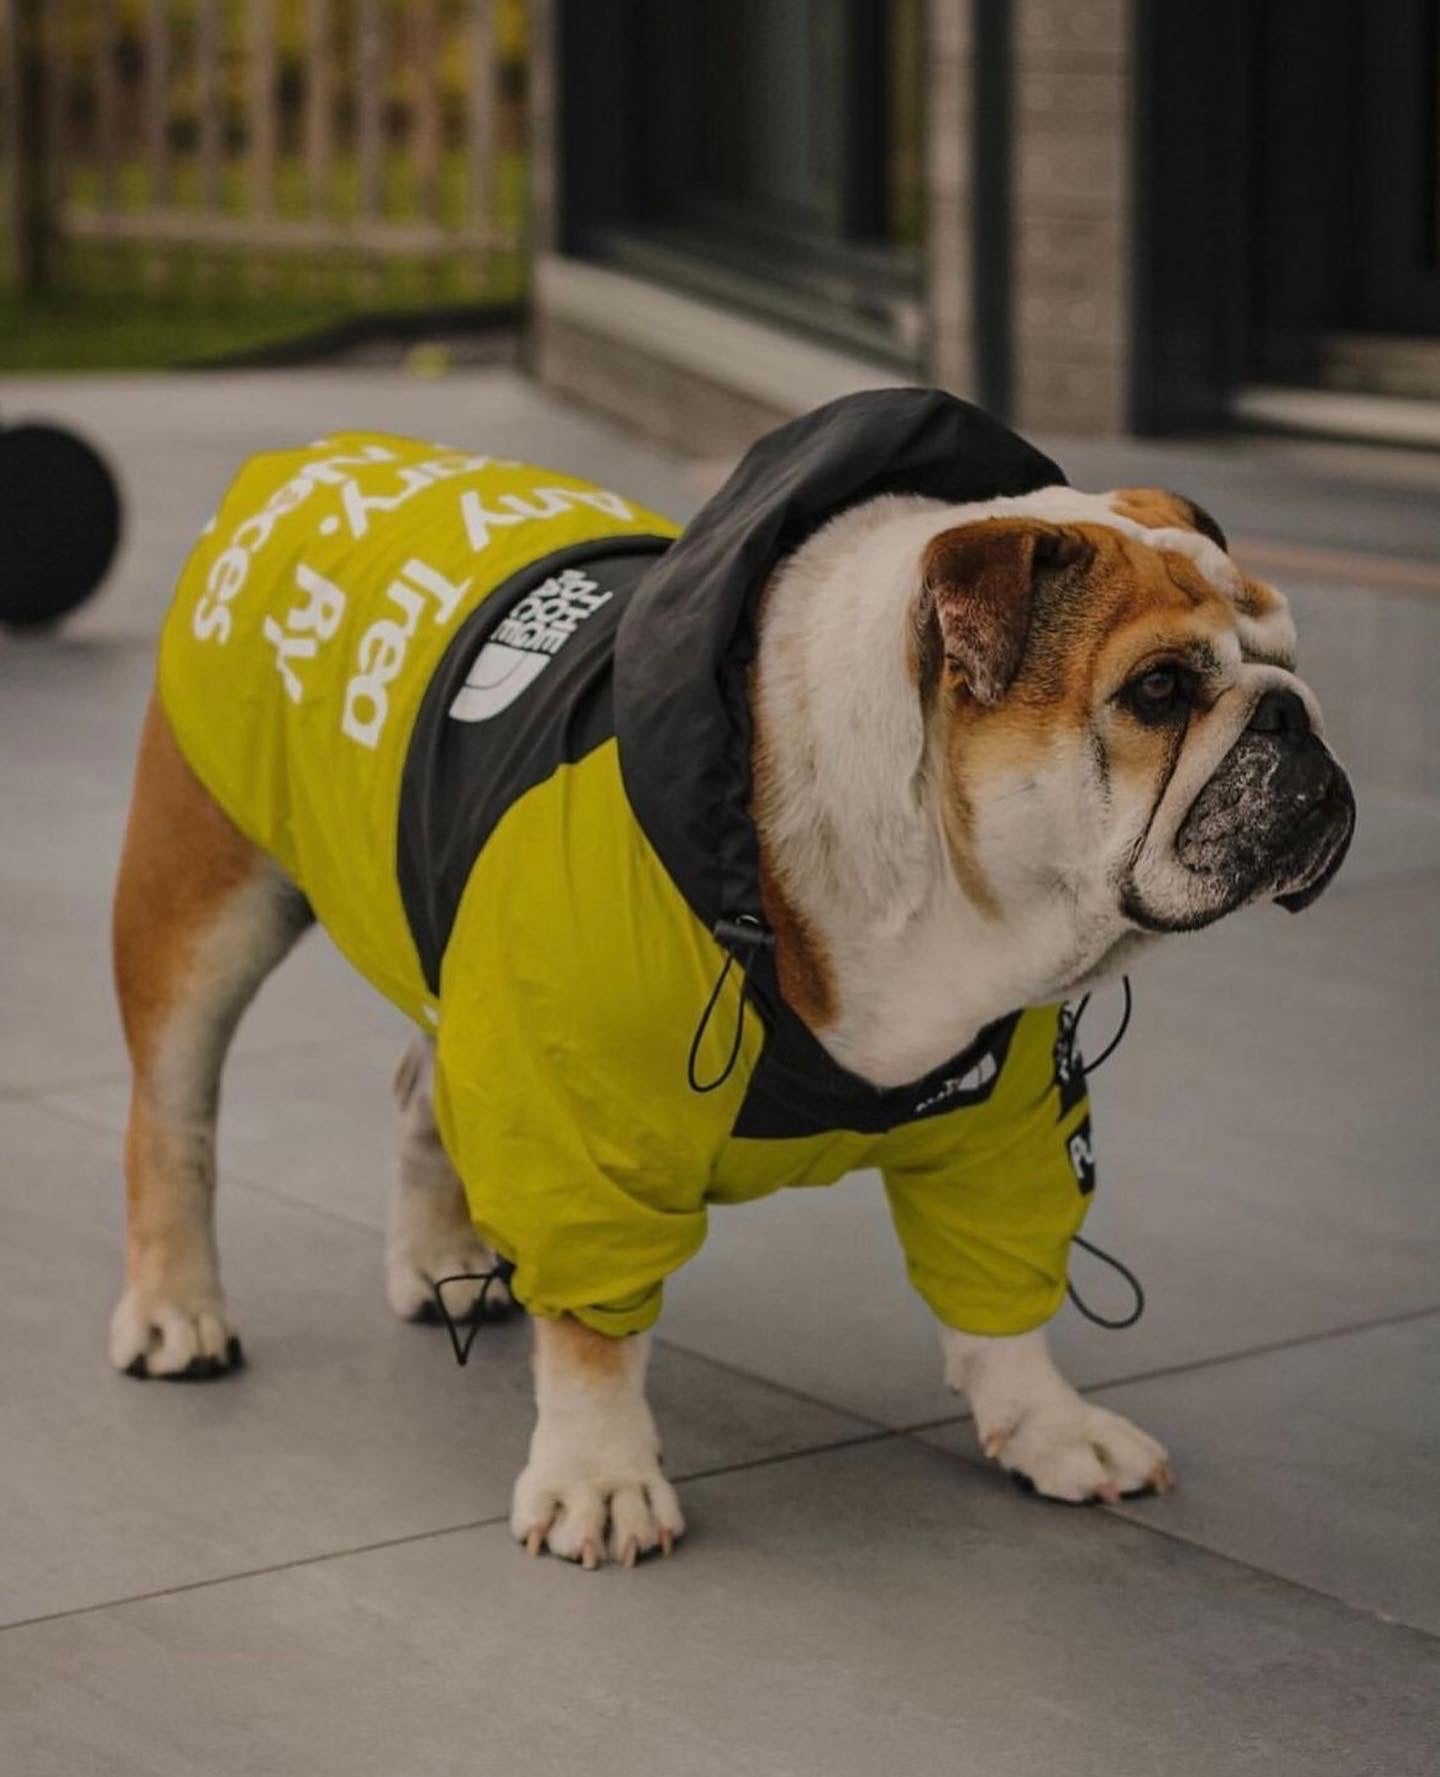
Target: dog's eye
<point x="1158" y="693"/>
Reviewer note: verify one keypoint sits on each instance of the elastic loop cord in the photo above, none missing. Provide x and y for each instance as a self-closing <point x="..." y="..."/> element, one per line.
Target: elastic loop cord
<point x="1088" y="1068"/>
<point x="746" y="931"/>
<point x="697" y="1085"/>
<point x="461" y="1343"/>
<point x="1114" y="1326"/>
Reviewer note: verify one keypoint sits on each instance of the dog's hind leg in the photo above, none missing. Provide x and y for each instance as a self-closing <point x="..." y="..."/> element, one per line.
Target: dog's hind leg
<point x="430" y="1234"/>
<point x="201" y="918"/>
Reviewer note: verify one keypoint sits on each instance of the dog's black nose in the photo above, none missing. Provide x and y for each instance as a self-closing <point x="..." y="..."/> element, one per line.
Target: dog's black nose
<point x="1280" y="712"/>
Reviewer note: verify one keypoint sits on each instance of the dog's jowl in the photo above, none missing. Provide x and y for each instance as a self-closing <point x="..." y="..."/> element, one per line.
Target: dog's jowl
<point x="704" y="863"/>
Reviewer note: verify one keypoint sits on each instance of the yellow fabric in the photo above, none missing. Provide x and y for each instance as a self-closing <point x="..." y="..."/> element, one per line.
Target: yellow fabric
<point x="308" y="622"/>
<point x="306" y="627"/>
<point x="570" y="992"/>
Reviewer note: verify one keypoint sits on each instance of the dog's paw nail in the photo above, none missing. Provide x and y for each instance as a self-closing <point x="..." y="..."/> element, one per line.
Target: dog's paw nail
<point x="630" y="1554"/>
<point x="535" y="1541"/>
<point x="994" y="1442"/>
<point x="1109" y="1493"/>
<point x="589" y="1556"/>
<point x="667" y="1541"/>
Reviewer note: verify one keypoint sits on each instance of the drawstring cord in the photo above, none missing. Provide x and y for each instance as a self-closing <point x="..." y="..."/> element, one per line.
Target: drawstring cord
<point x="745" y="933"/>
<point x="1088" y="1068"/>
<point x="461" y="1342"/>
<point x="748" y="934"/>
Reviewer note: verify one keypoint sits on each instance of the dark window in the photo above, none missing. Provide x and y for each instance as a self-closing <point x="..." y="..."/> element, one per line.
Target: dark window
<point x="775" y="162"/>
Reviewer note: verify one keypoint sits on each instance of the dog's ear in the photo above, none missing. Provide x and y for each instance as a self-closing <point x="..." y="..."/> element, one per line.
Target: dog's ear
<point x="978" y="587"/>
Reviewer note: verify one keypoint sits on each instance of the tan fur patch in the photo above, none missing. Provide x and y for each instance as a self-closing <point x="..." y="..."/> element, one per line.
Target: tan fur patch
<point x="807" y="976"/>
<point x="579" y="1350"/>
<point x="1088" y="626"/>
<point x="1154" y="507"/>
<point x="183" y="859"/>
<point x="1257" y="599"/>
<point x="958" y="820"/>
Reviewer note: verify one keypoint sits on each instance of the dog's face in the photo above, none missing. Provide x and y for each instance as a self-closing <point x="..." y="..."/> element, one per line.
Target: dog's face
<point x="1120" y="720"/>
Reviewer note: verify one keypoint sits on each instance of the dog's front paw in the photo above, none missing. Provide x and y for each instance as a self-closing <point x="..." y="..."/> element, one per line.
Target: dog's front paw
<point x="1074" y="1451"/>
<point x="180" y="1337"/>
<point x="585" y="1511"/>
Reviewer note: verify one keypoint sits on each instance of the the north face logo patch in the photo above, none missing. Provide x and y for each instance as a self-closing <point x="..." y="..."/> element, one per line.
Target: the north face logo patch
<point x="523" y="645"/>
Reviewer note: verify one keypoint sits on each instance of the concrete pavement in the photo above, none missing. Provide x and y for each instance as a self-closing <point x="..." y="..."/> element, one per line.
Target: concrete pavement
<point x="306" y="1568"/>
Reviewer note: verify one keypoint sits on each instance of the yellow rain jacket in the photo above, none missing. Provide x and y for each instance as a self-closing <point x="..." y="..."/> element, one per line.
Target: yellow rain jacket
<point x="491" y="720"/>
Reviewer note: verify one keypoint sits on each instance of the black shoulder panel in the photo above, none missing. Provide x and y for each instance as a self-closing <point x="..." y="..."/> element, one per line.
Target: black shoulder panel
<point x="797" y="1088"/>
<point x="523" y="688"/>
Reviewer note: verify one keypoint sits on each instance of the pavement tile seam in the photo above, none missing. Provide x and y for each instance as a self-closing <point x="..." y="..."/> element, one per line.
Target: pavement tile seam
<point x="796" y="1394"/>
<point x="118" y="1076"/>
<point x="1350" y="1605"/>
<point x="269" y="1194"/>
<point x="1218" y="1361"/>
<point x="247" y="1573"/>
<point x="233" y="1181"/>
<point x="499" y="1521"/>
<point x="1122" y="1514"/>
<point x="682" y="1478"/>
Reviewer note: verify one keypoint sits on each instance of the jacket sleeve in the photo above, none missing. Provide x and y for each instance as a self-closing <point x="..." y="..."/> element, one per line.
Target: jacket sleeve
<point x="987" y="1199"/>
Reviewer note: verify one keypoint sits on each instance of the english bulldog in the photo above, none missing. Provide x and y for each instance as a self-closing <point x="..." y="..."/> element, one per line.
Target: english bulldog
<point x="704" y="866"/>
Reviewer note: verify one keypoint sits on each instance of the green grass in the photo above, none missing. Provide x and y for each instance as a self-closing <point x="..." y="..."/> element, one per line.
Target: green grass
<point x="81" y="330"/>
<point x="122" y="307"/>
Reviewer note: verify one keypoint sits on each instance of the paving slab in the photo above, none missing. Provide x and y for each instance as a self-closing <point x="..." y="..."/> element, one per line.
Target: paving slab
<point x="1266" y="1140"/>
<point x="347" y="1428"/>
<point x="175" y="442"/>
<point x="885" y="1608"/>
<point x="1318" y="1462"/>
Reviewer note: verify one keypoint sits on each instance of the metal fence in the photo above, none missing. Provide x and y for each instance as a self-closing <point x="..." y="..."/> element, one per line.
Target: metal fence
<point x="343" y="138"/>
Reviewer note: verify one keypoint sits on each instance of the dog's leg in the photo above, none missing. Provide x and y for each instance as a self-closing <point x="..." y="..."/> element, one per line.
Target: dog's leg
<point x="595" y="1455"/>
<point x="430" y="1234"/>
<point x="1033" y="1423"/>
<point x="201" y="917"/>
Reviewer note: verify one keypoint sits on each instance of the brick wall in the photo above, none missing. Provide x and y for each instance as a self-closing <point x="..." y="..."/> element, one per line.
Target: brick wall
<point x="950" y="47"/>
<point x="1071" y="242"/>
<point x="1071" y="208"/>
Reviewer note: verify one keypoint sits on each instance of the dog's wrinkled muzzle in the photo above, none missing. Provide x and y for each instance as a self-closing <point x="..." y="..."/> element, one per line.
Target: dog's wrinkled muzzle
<point x="1333" y="842"/>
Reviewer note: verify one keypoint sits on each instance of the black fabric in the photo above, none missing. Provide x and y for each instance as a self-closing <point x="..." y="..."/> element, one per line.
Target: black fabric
<point x="460" y="777"/>
<point x="662" y="664"/>
<point x="683" y="718"/>
<point x="798" y="1090"/>
<point x="688" y="635"/>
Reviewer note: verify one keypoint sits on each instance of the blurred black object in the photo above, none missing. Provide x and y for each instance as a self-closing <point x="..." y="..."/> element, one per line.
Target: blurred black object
<point x="59" y="523"/>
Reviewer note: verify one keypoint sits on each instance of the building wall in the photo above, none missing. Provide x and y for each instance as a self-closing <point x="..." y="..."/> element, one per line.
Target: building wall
<point x="1071" y="210"/>
<point x="950" y="172"/>
<point x="1071" y="225"/>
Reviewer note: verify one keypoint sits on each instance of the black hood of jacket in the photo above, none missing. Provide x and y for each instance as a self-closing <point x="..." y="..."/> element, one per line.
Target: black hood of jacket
<point x="681" y="713"/>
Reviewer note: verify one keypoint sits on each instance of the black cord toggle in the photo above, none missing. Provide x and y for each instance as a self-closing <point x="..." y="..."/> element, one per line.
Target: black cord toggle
<point x="742" y="933"/>
<point x="1088" y="1068"/>
<point x="462" y="1342"/>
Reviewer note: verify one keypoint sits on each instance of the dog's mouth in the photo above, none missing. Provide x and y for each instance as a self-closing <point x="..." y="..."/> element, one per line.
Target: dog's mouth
<point x="1274" y="821"/>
